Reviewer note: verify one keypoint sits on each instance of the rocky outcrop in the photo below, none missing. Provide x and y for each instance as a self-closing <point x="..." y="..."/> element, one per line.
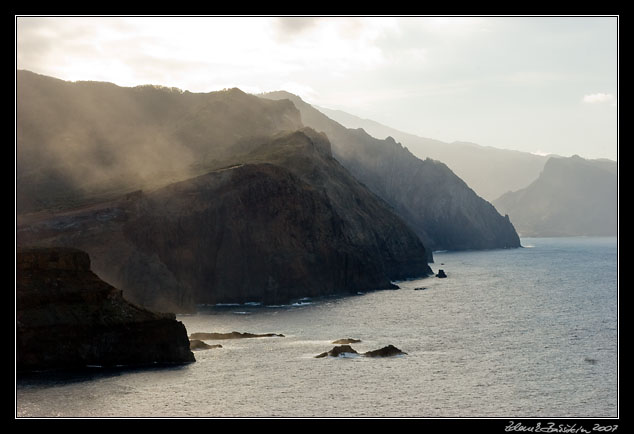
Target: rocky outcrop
<point x="441" y="208"/>
<point x="341" y="350"/>
<point x="441" y="274"/>
<point x="347" y="351"/>
<point x="231" y="335"/>
<point x="197" y="345"/>
<point x="346" y="341"/>
<point x="387" y="351"/>
<point x="68" y="318"/>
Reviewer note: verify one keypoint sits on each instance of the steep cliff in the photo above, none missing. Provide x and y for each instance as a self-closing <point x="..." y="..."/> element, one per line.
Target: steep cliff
<point x="489" y="171"/>
<point x="67" y="317"/>
<point x="438" y="205"/>
<point x="281" y="222"/>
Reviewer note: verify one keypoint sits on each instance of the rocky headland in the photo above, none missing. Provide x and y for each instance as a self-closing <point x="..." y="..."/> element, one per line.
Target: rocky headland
<point x="68" y="318"/>
<point x="281" y="222"/>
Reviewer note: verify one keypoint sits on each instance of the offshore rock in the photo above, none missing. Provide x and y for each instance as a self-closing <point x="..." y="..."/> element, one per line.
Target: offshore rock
<point x="196" y="344"/>
<point x="68" y="318"/>
<point x="231" y="335"/>
<point x="441" y="274"/>
<point x="341" y="350"/>
<point x="388" y="351"/>
<point x="346" y="341"/>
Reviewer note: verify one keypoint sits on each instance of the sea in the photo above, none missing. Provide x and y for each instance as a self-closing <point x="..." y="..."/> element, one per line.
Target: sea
<point x="530" y="332"/>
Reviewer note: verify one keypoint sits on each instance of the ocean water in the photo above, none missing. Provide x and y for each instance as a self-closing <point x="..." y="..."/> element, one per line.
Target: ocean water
<point x="529" y="332"/>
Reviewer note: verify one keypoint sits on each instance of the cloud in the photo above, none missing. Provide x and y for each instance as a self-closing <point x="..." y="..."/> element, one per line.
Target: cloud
<point x="600" y="98"/>
<point x="292" y="26"/>
<point x="540" y="153"/>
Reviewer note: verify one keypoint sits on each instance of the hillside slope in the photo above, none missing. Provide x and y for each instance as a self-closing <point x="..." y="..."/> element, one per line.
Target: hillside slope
<point x="438" y="205"/>
<point x="571" y="197"/>
<point x="489" y="171"/>
<point x="282" y="222"/>
<point x="81" y="142"/>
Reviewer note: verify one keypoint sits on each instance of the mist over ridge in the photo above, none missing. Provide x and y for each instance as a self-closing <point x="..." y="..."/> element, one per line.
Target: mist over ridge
<point x="443" y="210"/>
<point x="263" y="212"/>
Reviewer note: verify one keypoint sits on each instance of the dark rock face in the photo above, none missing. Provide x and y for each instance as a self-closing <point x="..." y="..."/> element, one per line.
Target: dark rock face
<point x="197" y="345"/>
<point x="388" y="351"/>
<point x="444" y="212"/>
<point x="338" y="351"/>
<point x="69" y="318"/>
<point x="183" y="198"/>
<point x="231" y="335"/>
<point x="282" y="222"/>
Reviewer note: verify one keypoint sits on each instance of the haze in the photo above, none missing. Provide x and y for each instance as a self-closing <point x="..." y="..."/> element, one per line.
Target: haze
<point x="536" y="84"/>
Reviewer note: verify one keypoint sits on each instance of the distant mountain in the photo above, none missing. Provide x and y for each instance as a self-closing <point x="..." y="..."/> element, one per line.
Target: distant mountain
<point x="437" y="204"/>
<point x="572" y="196"/>
<point x="489" y="171"/>
<point x="281" y="222"/>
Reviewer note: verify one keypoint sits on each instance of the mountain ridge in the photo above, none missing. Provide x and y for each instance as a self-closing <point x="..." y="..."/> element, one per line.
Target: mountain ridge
<point x="571" y="197"/>
<point x="425" y="193"/>
<point x="506" y="169"/>
<point x="282" y="222"/>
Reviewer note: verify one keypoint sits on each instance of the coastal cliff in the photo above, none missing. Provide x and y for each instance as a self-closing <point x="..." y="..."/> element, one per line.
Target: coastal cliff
<point x="68" y="318"/>
<point x="282" y="222"/>
<point x="439" y="206"/>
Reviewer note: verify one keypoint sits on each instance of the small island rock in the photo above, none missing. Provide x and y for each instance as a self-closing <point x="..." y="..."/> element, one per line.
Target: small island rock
<point x="337" y="351"/>
<point x="388" y="351"/>
<point x="231" y="335"/>
<point x="196" y="344"/>
<point x="346" y="341"/>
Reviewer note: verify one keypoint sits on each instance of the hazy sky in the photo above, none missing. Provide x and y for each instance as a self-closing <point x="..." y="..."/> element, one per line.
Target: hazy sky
<point x="536" y="84"/>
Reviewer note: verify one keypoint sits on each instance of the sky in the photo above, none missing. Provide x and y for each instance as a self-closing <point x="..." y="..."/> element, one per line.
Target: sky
<point x="539" y="84"/>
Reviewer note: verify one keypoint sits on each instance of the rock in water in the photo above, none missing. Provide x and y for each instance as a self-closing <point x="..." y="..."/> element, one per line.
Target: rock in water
<point x="196" y="344"/>
<point x="338" y="351"/>
<point x="346" y="341"/>
<point x="388" y="351"/>
<point x="68" y="318"/>
<point x="232" y="335"/>
<point x="441" y="274"/>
